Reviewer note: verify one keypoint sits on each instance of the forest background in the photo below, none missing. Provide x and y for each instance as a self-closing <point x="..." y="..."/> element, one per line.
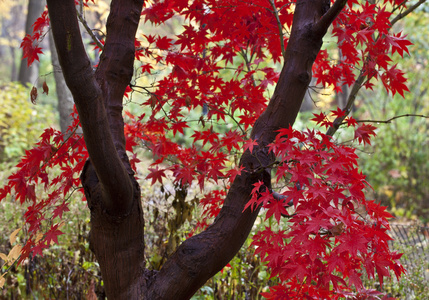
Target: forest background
<point x="396" y="164"/>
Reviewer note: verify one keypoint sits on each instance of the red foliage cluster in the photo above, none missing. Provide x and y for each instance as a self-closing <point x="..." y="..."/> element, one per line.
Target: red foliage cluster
<point x="30" y="43"/>
<point x="364" y="41"/>
<point x="333" y="232"/>
<point x="54" y="165"/>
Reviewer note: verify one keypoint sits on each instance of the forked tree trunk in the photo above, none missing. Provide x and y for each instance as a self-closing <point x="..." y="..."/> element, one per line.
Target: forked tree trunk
<point x="113" y="195"/>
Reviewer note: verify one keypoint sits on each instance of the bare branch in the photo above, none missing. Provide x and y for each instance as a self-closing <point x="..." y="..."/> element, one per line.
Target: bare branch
<point x="89" y="31"/>
<point x="390" y="120"/>
<point x="406" y="12"/>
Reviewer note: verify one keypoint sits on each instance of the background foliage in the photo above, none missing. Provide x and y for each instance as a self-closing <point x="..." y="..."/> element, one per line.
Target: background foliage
<point x="20" y="123"/>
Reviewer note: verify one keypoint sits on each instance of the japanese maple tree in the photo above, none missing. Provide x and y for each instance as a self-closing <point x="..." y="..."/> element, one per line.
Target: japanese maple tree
<point x="304" y="180"/>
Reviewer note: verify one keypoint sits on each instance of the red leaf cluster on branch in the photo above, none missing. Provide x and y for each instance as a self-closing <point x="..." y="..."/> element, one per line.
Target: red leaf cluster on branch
<point x="30" y="43"/>
<point x="332" y="233"/>
<point x="366" y="43"/>
<point x="53" y="164"/>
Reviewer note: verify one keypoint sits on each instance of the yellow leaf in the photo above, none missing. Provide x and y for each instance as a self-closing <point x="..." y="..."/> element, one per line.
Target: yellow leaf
<point x="39" y="236"/>
<point x="61" y="225"/>
<point x="2" y="280"/>
<point x="15" y="252"/>
<point x="12" y="237"/>
<point x="3" y="256"/>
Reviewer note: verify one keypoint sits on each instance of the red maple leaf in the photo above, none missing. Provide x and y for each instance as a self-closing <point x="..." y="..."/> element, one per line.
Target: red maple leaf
<point x="353" y="243"/>
<point x="156" y="174"/>
<point x="321" y="120"/>
<point x="399" y="43"/>
<point x="41" y="22"/>
<point x="249" y="144"/>
<point x="30" y="49"/>
<point x="276" y="207"/>
<point x="363" y="133"/>
<point x="60" y="209"/>
<point x="146" y="68"/>
<point x="338" y="113"/>
<point x="394" y="80"/>
<point x="234" y="172"/>
<point x="163" y="43"/>
<point x="351" y="121"/>
<point x="178" y="127"/>
<point x="52" y="235"/>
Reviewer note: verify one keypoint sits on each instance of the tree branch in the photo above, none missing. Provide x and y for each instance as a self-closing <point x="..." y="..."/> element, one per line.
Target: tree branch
<point x="350" y="101"/>
<point x="390" y="120"/>
<point x="89" y="31"/>
<point x="323" y="24"/>
<point x="361" y="78"/>
<point x="88" y="98"/>
<point x="406" y="12"/>
<point x="115" y="68"/>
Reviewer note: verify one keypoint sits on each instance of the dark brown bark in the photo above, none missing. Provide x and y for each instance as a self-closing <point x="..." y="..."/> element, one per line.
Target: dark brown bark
<point x="117" y="236"/>
<point x="113" y="194"/>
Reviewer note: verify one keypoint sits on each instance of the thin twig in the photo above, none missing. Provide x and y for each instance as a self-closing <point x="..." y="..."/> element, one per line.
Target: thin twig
<point x="89" y="31"/>
<point x="323" y="24"/>
<point x="400" y="5"/>
<point x="406" y="12"/>
<point x="391" y="119"/>
<point x="248" y="62"/>
<point x="280" y="26"/>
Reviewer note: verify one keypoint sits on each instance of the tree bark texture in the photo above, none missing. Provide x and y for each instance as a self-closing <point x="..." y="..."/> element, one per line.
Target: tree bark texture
<point x="111" y="190"/>
<point x="28" y="75"/>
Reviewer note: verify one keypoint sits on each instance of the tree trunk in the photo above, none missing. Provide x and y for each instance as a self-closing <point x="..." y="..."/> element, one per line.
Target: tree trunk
<point x="65" y="98"/>
<point x="28" y="75"/>
<point x="13" y="71"/>
<point x="113" y="194"/>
